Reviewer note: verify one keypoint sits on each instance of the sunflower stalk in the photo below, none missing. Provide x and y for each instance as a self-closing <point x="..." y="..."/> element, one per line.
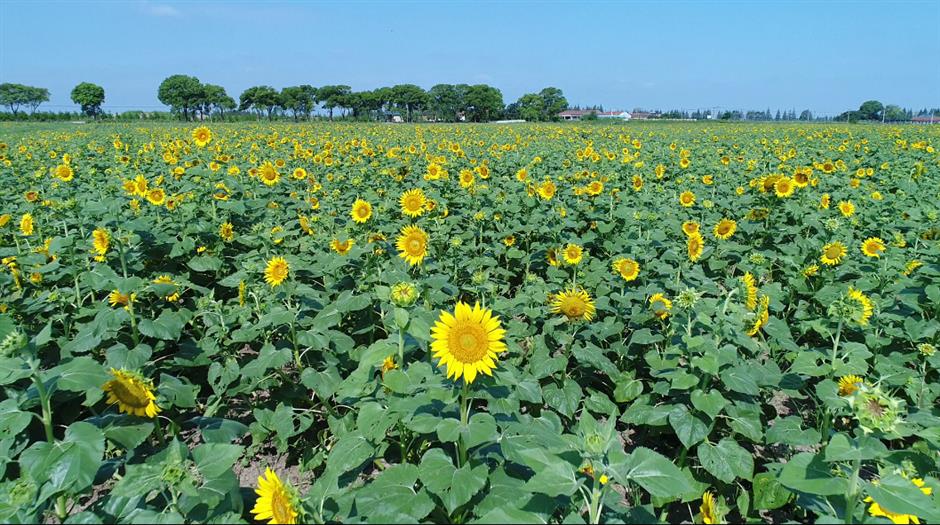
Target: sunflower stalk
<point x="852" y="499"/>
<point x="45" y="401"/>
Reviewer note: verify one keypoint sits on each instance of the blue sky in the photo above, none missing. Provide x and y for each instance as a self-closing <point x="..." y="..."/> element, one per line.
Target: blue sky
<point x="825" y="56"/>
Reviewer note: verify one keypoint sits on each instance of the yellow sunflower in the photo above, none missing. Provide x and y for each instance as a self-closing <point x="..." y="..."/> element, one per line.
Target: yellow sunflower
<point x="690" y="227"/>
<point x="574" y="303"/>
<point x="101" y="240"/>
<point x="412" y="202"/>
<point x="848" y="385"/>
<point x="268" y="174"/>
<point x="412" y="244"/>
<point x="708" y="509"/>
<point x="276" y="501"/>
<point x="687" y="199"/>
<point x="637" y="183"/>
<point x="132" y="393"/>
<point x="26" y="224"/>
<point x="551" y="256"/>
<point x="833" y="253"/>
<point x="750" y="289"/>
<point x="202" y="136"/>
<point x="64" y="172"/>
<point x="878" y="511"/>
<point x="468" y="341"/>
<point x="227" y="231"/>
<point x="276" y="271"/>
<point x="661" y="305"/>
<point x="694" y="246"/>
<point x="573" y="254"/>
<point x="629" y="269"/>
<point x="342" y="247"/>
<point x="156" y="196"/>
<point x="361" y="211"/>
<point x="547" y="190"/>
<point x="784" y="187"/>
<point x="864" y="306"/>
<point x="873" y="246"/>
<point x="846" y="208"/>
<point x="763" y="314"/>
<point x="725" y="229"/>
<point x="824" y="201"/>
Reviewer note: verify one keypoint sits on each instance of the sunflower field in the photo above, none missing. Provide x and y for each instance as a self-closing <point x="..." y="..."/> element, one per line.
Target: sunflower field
<point x="663" y="322"/>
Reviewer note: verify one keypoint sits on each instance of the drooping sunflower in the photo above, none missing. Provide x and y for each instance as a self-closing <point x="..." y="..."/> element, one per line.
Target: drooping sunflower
<point x="848" y="385"/>
<point x="750" y="291"/>
<point x="661" y="305"/>
<point x="833" y="253"/>
<point x="412" y="202"/>
<point x="690" y="227"/>
<point x="551" y="257"/>
<point x="100" y="242"/>
<point x="342" y="247"/>
<point x="276" y="501"/>
<point x="573" y="254"/>
<point x="26" y="224"/>
<point x="687" y="199"/>
<point x="763" y="314"/>
<point x="846" y="208"/>
<point x="863" y="306"/>
<point x="361" y="211"/>
<point x="276" y="271"/>
<point x="873" y="246"/>
<point x="268" y="174"/>
<point x="784" y="187"/>
<point x="628" y="269"/>
<point x="202" y="136"/>
<point x="695" y="244"/>
<point x="708" y="509"/>
<point x="132" y="393"/>
<point x="574" y="303"/>
<point x="468" y="341"/>
<point x="227" y="231"/>
<point x="412" y="244"/>
<point x="116" y="298"/>
<point x="725" y="229"/>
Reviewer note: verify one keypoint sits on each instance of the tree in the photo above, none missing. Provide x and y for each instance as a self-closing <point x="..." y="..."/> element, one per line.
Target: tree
<point x="263" y="99"/>
<point x="332" y="96"/>
<point x="806" y="115"/>
<point x="870" y="110"/>
<point x="446" y="100"/>
<point x="409" y="98"/>
<point x="482" y="103"/>
<point x="15" y="95"/>
<point x="895" y="114"/>
<point x="215" y="97"/>
<point x="531" y="107"/>
<point x="182" y="93"/>
<point x="553" y="103"/>
<point x="90" y="97"/>
<point x="299" y="100"/>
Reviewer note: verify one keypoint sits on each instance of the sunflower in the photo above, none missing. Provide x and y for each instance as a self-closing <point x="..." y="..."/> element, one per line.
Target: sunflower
<point x="595" y="188"/>
<point x="551" y="256"/>
<point x="784" y="187"/>
<point x="687" y="199"/>
<point x="547" y="190"/>
<point x="750" y="288"/>
<point x="101" y="240"/>
<point x="690" y="228"/>
<point x="637" y="183"/>
<point x="574" y="303"/>
<point x="873" y="246"/>
<point x="467" y="342"/>
<point x="708" y="509"/>
<point x="833" y="253"/>
<point x="268" y="174"/>
<point x="412" y="244"/>
<point x="864" y="307"/>
<point x="299" y="174"/>
<point x="227" y="231"/>
<point x="824" y="201"/>
<point x="412" y="202"/>
<point x="661" y="305"/>
<point x="276" y="271"/>
<point x="466" y="178"/>
<point x="64" y="172"/>
<point x="132" y="393"/>
<point x="878" y="511"/>
<point x="404" y="294"/>
<point x="26" y="224"/>
<point x="763" y="314"/>
<point x="848" y="385"/>
<point x="725" y="229"/>
<point x="627" y="268"/>
<point x="694" y="246"/>
<point x="202" y="136"/>
<point x="573" y="254"/>
<point x="846" y="208"/>
<point x="342" y="247"/>
<point x="156" y="196"/>
<point x="276" y="501"/>
<point x="31" y="196"/>
<point x="361" y="211"/>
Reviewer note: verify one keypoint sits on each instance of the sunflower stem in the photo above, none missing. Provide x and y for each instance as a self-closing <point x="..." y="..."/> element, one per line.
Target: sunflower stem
<point x="835" y="346"/>
<point x="853" y="492"/>
<point x="401" y="346"/>
<point x="464" y="418"/>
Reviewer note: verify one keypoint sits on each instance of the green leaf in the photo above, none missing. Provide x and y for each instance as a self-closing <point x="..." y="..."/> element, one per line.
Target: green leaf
<point x="769" y="494"/>
<point x="391" y="497"/>
<point x="711" y="403"/>
<point x="690" y="428"/>
<point x="454" y="486"/>
<point x="807" y="472"/>
<point x="214" y="459"/>
<point x="788" y="430"/>
<point x="727" y="460"/>
<point x="842" y="448"/>
<point x="168" y="326"/>
<point x="652" y="471"/>
<point x="80" y="374"/>
<point x="901" y="496"/>
<point x="349" y="452"/>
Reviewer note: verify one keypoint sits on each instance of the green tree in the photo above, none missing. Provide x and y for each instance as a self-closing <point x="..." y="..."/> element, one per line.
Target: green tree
<point x="332" y="97"/>
<point x="299" y="100"/>
<point x="483" y="103"/>
<point x="553" y="103"/>
<point x="445" y="101"/>
<point x="531" y="107"/>
<point x="13" y="96"/>
<point x="806" y="115"/>
<point x="895" y="114"/>
<point x="90" y="97"/>
<point x="215" y="97"/>
<point x="870" y="110"/>
<point x="35" y="97"/>
<point x="409" y="98"/>
<point x="262" y="99"/>
<point x="182" y="93"/>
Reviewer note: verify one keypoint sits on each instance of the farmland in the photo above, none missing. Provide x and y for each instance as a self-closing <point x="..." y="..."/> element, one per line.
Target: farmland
<point x="459" y="323"/>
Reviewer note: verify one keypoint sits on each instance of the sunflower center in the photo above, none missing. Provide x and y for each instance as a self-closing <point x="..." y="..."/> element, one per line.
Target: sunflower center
<point x="833" y="252"/>
<point x="468" y="342"/>
<point x="415" y="245"/>
<point x="130" y="393"/>
<point x="573" y="306"/>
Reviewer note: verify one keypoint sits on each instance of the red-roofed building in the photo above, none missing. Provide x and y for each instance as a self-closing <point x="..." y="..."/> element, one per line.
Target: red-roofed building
<point x="574" y="114"/>
<point x="926" y="119"/>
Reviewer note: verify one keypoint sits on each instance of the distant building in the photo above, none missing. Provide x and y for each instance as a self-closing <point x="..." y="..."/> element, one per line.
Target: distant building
<point x="622" y="115"/>
<point x="641" y="115"/>
<point x="926" y="119"/>
<point x="575" y="114"/>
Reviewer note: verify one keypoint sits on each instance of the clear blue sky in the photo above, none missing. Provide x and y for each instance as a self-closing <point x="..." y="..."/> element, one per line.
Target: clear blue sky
<point x="826" y="56"/>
